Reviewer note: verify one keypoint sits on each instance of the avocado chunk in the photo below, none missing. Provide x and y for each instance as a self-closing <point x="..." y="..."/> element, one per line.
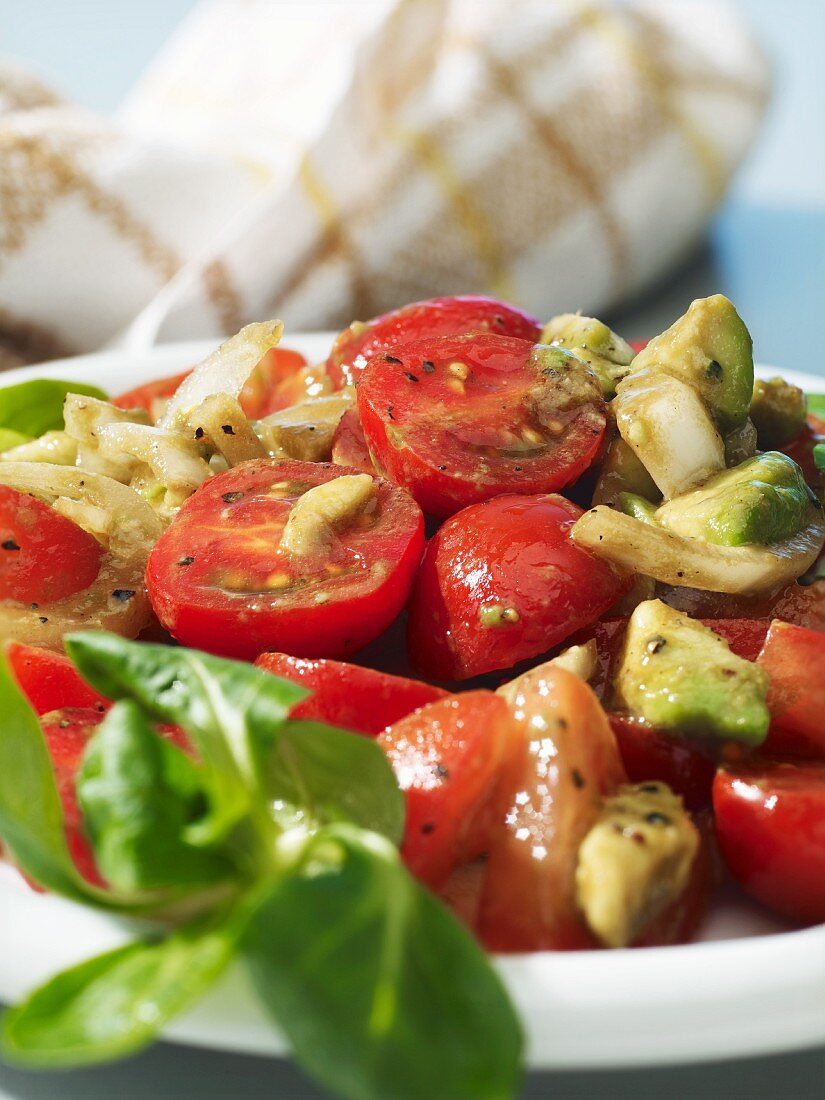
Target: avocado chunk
<point x="710" y="348"/>
<point x="679" y="676"/>
<point x="761" y="501"/>
<point x="777" y="411"/>
<point x="634" y="861"/>
<point x="622" y="472"/>
<point x="606" y="353"/>
<point x="637" y="507"/>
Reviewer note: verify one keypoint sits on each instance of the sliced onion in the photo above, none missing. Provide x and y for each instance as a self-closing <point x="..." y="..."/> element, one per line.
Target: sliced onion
<point x="693" y="563"/>
<point x="85" y="417"/>
<point x="175" y="460"/>
<point x="131" y="530"/>
<point x="224" y="371"/>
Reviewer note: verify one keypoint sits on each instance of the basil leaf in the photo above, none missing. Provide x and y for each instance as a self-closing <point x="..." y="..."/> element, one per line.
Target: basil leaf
<point x="819" y="456"/>
<point x="816" y="403"/>
<point x="139" y="793"/>
<point x="381" y="992"/>
<point x="330" y="774"/>
<point x="230" y="708"/>
<point x="10" y="438"/>
<point x="36" y="406"/>
<point x="31" y="814"/>
<point x="116" y="1004"/>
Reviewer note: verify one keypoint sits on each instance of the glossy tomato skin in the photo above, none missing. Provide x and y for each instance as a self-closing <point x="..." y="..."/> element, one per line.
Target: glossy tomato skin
<point x="360" y="343"/>
<point x="349" y="448"/>
<point x="458" y="420"/>
<point x="770" y="823"/>
<point x="50" y="681"/>
<point x="149" y="394"/>
<point x="794" y="659"/>
<point x="219" y="581"/>
<point x="43" y="555"/>
<point x="356" y="698"/>
<point x="556" y="773"/>
<point x="649" y="754"/>
<point x="446" y="758"/>
<point x="502" y="581"/>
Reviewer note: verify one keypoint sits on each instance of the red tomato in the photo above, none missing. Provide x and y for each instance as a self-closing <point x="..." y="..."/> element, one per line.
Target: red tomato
<point x="558" y="770"/>
<point x="460" y="419"/>
<point x="638" y="345"/>
<point x="649" y="754"/>
<point x="500" y="582"/>
<point x="801" y="449"/>
<point x="50" y="681"/>
<point x="275" y="383"/>
<point x="349" y="448"/>
<point x="219" y="580"/>
<point x="145" y="396"/>
<point x="446" y="758"/>
<point x="794" y="658"/>
<point x="43" y="555"/>
<point x="356" y="698"/>
<point x="358" y="344"/>
<point x="770" y="822"/>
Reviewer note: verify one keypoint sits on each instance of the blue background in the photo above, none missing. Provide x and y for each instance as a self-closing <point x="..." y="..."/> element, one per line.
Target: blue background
<point x="766" y="250"/>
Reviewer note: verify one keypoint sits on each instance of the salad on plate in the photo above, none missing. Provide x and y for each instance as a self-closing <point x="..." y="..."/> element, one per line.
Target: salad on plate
<point x="482" y="636"/>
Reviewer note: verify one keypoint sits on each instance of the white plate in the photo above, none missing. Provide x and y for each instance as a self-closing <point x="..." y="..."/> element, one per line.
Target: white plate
<point x="751" y="986"/>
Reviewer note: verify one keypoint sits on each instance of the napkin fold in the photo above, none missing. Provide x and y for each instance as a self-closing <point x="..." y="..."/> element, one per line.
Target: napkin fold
<point x="321" y="161"/>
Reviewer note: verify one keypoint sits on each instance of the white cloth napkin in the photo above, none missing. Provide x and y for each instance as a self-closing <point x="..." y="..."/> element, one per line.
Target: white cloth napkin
<point x="322" y="160"/>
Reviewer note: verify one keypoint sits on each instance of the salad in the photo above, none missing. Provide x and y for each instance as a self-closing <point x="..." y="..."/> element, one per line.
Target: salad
<point x="482" y="636"/>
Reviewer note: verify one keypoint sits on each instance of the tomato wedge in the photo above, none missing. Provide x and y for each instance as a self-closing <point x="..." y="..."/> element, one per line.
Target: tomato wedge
<point x="552" y="782"/>
<point x="220" y="579"/>
<point x="276" y="383"/>
<point x="360" y="343"/>
<point x="446" y="758"/>
<point x="460" y="419"/>
<point x="356" y="698"/>
<point x="500" y="582"/>
<point x="43" y="555"/>
<point x="649" y="754"/>
<point x="794" y="659"/>
<point x="770" y="822"/>
<point x="50" y="681"/>
<point x="349" y="448"/>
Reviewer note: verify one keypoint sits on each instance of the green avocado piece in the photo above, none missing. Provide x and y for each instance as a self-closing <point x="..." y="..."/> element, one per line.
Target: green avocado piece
<point x="710" y="348"/>
<point x="778" y="412"/>
<point x="763" y="500"/>
<point x="679" y="676"/>
<point x="637" y="507"/>
<point x="606" y="353"/>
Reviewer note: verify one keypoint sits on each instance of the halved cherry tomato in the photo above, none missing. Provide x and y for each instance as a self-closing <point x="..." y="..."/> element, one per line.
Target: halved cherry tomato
<point x="219" y="579"/>
<point x="43" y="555"/>
<point x="564" y="761"/>
<point x="502" y="581"/>
<point x="770" y="822"/>
<point x="649" y="754"/>
<point x="275" y="383"/>
<point x="349" y="448"/>
<point x="794" y="659"/>
<point x="150" y="394"/>
<point x="358" y="344"/>
<point x="446" y="758"/>
<point x="50" y="681"/>
<point x="638" y="345"/>
<point x="356" y="698"/>
<point x="801" y="449"/>
<point x="460" y="419"/>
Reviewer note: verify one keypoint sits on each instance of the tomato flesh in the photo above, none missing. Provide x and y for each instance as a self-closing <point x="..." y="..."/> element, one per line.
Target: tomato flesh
<point x="794" y="659"/>
<point x="446" y="759"/>
<point x="770" y="822"/>
<point x="360" y="343"/>
<point x="276" y="383"/>
<point x="356" y="698"/>
<point x="349" y="448"/>
<point x="219" y="579"/>
<point x="50" y="681"/>
<point x="43" y="555"/>
<point x="461" y="419"/>
<point x="503" y="581"/>
<point x="649" y="754"/>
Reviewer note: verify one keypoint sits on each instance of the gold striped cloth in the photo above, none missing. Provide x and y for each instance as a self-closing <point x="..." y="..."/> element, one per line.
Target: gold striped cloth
<point x="323" y="160"/>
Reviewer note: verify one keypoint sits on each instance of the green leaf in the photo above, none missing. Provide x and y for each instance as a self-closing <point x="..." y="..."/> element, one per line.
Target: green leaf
<point x="116" y="1004"/>
<point x="31" y="814"/>
<point x="816" y="403"/>
<point x="36" y="406"/>
<point x="381" y="992"/>
<point x="329" y="774"/>
<point x="229" y="707"/>
<point x="819" y="456"/>
<point x="10" y="438"/>
<point x="139" y="794"/>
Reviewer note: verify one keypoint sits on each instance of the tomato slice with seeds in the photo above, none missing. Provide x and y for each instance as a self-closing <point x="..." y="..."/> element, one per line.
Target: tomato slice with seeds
<point x="446" y="758"/>
<point x="358" y="344"/>
<point x="50" y="681"/>
<point x="502" y="581"/>
<point x="360" y="699"/>
<point x="43" y="555"/>
<point x="220" y="579"/>
<point x="460" y="419"/>
<point x="349" y="447"/>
